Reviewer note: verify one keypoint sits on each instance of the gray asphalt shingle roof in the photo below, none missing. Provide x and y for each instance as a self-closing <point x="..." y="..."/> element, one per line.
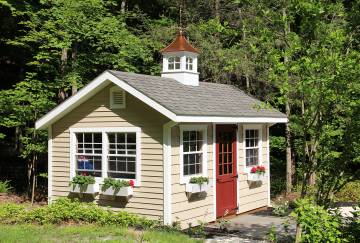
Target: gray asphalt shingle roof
<point x="207" y="99"/>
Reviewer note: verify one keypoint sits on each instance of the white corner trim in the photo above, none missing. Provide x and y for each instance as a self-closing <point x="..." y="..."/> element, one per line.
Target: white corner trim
<point x="167" y="172"/>
<point x="252" y="126"/>
<point x="185" y="179"/>
<point x="268" y="160"/>
<point x="50" y="164"/>
<point x="104" y="131"/>
<point x="238" y="166"/>
<point x="214" y="168"/>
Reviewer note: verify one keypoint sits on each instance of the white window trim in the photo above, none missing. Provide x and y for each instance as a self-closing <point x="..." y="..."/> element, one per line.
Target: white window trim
<point x="104" y="165"/>
<point x="174" y="63"/>
<point x="247" y="169"/>
<point x="117" y="106"/>
<point x="203" y="128"/>
<point x="188" y="64"/>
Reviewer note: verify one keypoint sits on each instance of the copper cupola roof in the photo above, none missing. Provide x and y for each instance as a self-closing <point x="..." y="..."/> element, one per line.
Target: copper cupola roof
<point x="179" y="44"/>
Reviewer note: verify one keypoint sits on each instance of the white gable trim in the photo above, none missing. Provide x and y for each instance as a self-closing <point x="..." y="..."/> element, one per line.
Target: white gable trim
<point x="105" y="78"/>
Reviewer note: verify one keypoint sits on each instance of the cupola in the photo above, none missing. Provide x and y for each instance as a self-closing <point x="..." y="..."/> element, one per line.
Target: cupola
<point x="180" y="61"/>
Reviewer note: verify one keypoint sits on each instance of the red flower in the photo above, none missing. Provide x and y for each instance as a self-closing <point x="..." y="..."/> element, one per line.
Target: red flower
<point x="84" y="174"/>
<point x="253" y="170"/>
<point x="132" y="183"/>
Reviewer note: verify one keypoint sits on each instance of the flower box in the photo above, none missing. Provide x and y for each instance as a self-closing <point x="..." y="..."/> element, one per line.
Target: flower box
<point x="85" y="189"/>
<point x="196" y="188"/>
<point x="122" y="192"/>
<point x="256" y="177"/>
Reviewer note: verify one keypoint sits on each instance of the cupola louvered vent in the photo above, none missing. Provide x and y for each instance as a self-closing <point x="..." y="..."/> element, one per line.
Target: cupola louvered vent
<point x="117" y="98"/>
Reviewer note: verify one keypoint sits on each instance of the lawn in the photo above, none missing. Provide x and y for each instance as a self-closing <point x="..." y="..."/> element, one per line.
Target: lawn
<point x="86" y="233"/>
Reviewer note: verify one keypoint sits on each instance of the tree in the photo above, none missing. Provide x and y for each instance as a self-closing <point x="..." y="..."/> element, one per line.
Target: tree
<point x="21" y="107"/>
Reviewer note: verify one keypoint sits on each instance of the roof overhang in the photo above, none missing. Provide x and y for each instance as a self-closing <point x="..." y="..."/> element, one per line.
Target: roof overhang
<point x="106" y="78"/>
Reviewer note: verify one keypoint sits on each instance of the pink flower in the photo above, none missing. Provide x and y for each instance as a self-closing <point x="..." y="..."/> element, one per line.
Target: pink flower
<point x="253" y="170"/>
<point x="132" y="183"/>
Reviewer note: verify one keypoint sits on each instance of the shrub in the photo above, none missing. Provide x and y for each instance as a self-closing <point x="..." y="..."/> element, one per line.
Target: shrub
<point x="281" y="209"/>
<point x="352" y="229"/>
<point x="317" y="223"/>
<point x="5" y="186"/>
<point x="11" y="213"/>
<point x="199" y="180"/>
<point x="66" y="210"/>
<point x="349" y="193"/>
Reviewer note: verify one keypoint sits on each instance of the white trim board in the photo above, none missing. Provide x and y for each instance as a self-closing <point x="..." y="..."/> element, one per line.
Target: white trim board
<point x="106" y="77"/>
<point x="50" y="164"/>
<point x="167" y="172"/>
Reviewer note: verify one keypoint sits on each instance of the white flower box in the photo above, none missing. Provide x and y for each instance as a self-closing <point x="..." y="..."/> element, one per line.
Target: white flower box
<point x="196" y="188"/>
<point x="256" y="177"/>
<point x="85" y="189"/>
<point x="122" y="192"/>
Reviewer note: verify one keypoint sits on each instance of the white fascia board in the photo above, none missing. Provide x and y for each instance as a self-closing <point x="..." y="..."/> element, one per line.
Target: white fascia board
<point x="85" y="93"/>
<point x="219" y="119"/>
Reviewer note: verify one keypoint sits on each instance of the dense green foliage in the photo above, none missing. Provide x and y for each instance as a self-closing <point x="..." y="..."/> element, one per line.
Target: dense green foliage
<point x="66" y="210"/>
<point x="322" y="225"/>
<point x="349" y="193"/>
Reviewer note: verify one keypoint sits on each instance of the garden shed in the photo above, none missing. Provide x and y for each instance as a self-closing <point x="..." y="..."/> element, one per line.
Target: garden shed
<point x="193" y="151"/>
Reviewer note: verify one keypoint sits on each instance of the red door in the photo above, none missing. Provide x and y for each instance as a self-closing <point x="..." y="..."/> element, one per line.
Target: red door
<point x="226" y="175"/>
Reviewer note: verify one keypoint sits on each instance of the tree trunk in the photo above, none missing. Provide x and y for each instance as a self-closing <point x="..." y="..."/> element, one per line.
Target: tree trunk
<point x="298" y="233"/>
<point x="74" y="86"/>
<point x="64" y="58"/>
<point x="217" y="9"/>
<point x="289" y="164"/>
<point x="123" y="6"/>
<point x="33" y="179"/>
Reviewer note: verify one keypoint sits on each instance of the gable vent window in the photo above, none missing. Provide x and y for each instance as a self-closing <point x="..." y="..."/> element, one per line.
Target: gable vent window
<point x="117" y="98"/>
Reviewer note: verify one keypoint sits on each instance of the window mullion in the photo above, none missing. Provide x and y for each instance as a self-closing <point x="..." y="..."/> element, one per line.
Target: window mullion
<point x="104" y="159"/>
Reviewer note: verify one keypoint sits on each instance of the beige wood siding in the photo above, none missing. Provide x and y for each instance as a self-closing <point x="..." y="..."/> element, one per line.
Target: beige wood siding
<point x="95" y="112"/>
<point x="252" y="195"/>
<point x="196" y="209"/>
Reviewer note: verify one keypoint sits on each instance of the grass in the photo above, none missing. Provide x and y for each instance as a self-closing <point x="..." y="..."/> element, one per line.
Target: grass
<point x="86" y="233"/>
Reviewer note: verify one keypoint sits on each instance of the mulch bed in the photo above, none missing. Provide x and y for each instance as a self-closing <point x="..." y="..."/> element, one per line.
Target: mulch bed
<point x="11" y="198"/>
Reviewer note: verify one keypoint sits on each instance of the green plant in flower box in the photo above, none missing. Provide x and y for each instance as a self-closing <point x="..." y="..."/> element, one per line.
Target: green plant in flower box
<point x="82" y="180"/>
<point x="199" y="180"/>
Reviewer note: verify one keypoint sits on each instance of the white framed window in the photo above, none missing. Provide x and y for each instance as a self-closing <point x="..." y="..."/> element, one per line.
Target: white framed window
<point x="117" y="98"/>
<point x="193" y="151"/>
<point x="252" y="146"/>
<point x="189" y="63"/>
<point x="106" y="152"/>
<point x="174" y="63"/>
<point x="88" y="153"/>
<point x="122" y="155"/>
